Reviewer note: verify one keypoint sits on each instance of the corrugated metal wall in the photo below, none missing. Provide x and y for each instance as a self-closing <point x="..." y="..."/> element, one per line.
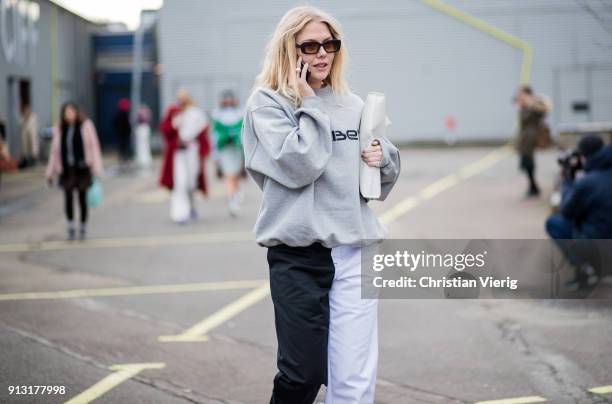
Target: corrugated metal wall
<point x="431" y="66"/>
<point x="74" y="72"/>
<point x="74" y="61"/>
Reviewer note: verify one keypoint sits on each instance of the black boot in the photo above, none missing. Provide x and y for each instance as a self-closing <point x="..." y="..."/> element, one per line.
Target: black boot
<point x="586" y="277"/>
<point x="533" y="191"/>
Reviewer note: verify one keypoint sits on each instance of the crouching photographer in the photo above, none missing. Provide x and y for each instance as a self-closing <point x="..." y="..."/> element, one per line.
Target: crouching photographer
<point x="586" y="206"/>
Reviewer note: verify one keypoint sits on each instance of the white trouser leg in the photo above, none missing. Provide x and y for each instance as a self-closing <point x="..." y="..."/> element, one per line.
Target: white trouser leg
<point x="193" y="165"/>
<point x="186" y="169"/>
<point x="179" y="205"/>
<point x="353" y="333"/>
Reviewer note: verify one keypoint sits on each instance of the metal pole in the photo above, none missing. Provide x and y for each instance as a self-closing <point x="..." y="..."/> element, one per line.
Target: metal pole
<point x="136" y="74"/>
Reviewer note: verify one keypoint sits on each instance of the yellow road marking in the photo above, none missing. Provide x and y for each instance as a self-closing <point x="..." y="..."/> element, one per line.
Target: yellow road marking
<point x="444" y="183"/>
<point x="154" y="196"/>
<point x="489" y="29"/>
<point x="539" y="399"/>
<point x="198" y="332"/>
<point x="439" y="186"/>
<point x="133" y="290"/>
<point x="399" y="209"/>
<point x="517" y="400"/>
<point x="152" y="241"/>
<point x="121" y="374"/>
<point x="601" y="390"/>
<point x="388" y="216"/>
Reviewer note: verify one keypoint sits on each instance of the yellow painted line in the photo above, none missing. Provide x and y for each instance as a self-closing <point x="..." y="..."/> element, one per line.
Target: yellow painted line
<point x="151" y="241"/>
<point x="399" y="210"/>
<point x="489" y="29"/>
<point x="439" y="186"/>
<point x="485" y="162"/>
<point x="154" y="196"/>
<point x="133" y="290"/>
<point x="121" y="374"/>
<point x="601" y="390"/>
<point x="517" y="400"/>
<point x="444" y="184"/>
<point x="198" y="332"/>
<point x="183" y="239"/>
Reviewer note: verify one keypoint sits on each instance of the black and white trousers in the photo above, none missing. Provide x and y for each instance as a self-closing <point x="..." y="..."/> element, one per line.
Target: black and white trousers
<point x="327" y="334"/>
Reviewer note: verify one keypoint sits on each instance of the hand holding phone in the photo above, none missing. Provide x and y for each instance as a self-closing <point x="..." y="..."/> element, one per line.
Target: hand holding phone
<point x="303" y="76"/>
<point x="307" y="72"/>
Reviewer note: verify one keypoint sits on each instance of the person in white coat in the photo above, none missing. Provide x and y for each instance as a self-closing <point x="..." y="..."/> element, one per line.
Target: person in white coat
<point x="189" y="123"/>
<point x="29" y="137"/>
<point x="143" y="136"/>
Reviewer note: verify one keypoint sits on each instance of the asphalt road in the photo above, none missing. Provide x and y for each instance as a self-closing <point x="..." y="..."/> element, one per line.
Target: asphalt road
<point x="147" y="311"/>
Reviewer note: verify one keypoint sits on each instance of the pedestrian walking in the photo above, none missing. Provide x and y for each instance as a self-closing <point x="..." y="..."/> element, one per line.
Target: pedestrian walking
<point x="532" y="111"/>
<point x="227" y="124"/>
<point x="143" y="137"/>
<point x="185" y="130"/>
<point x="75" y="156"/>
<point x="28" y="130"/>
<point x="123" y="130"/>
<point x="301" y="147"/>
<point x="6" y="162"/>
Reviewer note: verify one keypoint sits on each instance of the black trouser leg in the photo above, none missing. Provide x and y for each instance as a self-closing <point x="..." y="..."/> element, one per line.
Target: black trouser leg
<point x="533" y="186"/>
<point x="83" y="205"/>
<point x="68" y="204"/>
<point x="300" y="280"/>
<point x="527" y="163"/>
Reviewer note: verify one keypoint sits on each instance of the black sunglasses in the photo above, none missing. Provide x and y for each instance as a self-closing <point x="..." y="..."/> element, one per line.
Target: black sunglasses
<point x="312" y="47"/>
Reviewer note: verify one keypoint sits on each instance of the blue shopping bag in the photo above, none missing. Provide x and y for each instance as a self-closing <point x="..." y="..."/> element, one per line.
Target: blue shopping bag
<point x="95" y="194"/>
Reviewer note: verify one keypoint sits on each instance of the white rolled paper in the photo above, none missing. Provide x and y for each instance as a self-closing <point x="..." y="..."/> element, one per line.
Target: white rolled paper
<point x="373" y="125"/>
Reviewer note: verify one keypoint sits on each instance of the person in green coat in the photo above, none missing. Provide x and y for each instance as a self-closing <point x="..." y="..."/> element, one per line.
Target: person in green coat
<point x="227" y="125"/>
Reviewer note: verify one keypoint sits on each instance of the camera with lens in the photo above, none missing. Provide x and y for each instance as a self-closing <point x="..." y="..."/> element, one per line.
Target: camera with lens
<point x="570" y="163"/>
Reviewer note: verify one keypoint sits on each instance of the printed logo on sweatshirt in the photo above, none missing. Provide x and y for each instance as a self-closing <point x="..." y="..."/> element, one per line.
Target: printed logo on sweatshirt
<point x="349" y="135"/>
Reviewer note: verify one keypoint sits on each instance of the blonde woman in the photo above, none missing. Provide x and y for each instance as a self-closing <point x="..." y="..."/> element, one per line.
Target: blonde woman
<point x="301" y="146"/>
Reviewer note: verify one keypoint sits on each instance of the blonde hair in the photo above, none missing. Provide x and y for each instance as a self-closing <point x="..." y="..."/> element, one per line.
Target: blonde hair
<point x="280" y="62"/>
<point x="184" y="96"/>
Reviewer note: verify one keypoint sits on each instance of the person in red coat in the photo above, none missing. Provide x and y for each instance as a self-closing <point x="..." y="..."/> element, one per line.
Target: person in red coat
<point x="172" y="142"/>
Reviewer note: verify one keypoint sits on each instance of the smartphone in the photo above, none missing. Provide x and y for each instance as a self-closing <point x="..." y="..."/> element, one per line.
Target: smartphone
<point x="307" y="72"/>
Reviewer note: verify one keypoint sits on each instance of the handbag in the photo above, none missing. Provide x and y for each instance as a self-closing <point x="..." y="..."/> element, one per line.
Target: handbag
<point x="95" y="193"/>
<point x="544" y="137"/>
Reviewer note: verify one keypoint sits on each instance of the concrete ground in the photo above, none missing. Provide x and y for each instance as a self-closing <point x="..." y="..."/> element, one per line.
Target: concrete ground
<point x="149" y="311"/>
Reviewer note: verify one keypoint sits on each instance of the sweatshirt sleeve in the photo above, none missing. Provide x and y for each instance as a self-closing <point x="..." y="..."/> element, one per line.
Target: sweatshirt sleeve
<point x="390" y="167"/>
<point x="293" y="155"/>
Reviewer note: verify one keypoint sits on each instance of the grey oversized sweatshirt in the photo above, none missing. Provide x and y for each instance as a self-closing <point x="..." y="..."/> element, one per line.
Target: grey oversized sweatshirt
<point x="306" y="162"/>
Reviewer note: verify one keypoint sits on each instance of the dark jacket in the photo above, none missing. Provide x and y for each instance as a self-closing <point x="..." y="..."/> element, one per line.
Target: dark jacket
<point x="587" y="202"/>
<point x="530" y="121"/>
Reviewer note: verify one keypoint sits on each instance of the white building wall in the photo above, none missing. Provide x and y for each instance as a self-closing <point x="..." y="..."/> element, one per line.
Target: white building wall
<point x="429" y="64"/>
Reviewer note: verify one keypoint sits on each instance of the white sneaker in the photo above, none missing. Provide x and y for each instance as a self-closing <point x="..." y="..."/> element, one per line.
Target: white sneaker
<point x="234" y="206"/>
<point x="240" y="195"/>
